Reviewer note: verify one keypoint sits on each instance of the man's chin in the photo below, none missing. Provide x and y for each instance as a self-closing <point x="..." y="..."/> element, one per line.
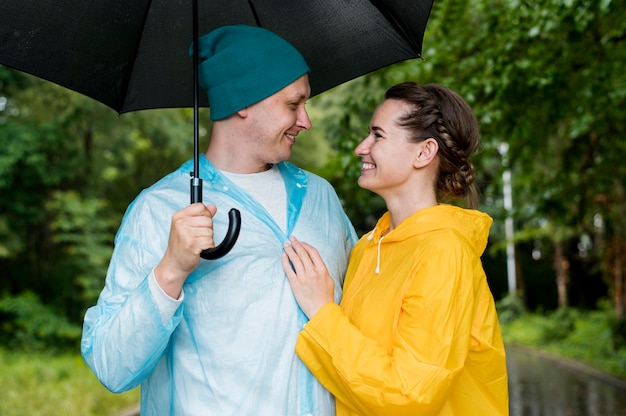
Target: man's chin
<point x="285" y="155"/>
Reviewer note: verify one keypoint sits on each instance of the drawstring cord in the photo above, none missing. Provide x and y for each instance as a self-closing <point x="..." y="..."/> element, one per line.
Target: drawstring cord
<point x="380" y="240"/>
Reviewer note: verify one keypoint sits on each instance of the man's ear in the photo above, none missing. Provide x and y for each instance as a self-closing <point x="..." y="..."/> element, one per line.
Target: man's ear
<point x="243" y="113"/>
<point x="426" y="152"/>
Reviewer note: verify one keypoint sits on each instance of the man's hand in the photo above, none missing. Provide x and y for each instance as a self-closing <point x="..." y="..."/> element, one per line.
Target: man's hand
<point x="191" y="233"/>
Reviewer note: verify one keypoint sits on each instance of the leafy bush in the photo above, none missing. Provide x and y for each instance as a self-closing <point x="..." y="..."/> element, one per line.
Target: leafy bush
<point x="560" y="326"/>
<point x="509" y="308"/>
<point x="26" y="323"/>
<point x="585" y="336"/>
<point x="618" y="332"/>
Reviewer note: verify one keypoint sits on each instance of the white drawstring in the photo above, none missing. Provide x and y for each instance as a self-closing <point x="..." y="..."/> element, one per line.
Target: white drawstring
<point x="380" y="240"/>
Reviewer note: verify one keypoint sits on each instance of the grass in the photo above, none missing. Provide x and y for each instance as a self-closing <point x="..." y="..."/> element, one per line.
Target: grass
<point x="38" y="384"/>
<point x="48" y="384"/>
<point x="583" y="336"/>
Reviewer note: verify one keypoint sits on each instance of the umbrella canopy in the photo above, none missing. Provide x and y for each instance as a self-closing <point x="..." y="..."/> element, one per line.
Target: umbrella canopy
<point x="133" y="54"/>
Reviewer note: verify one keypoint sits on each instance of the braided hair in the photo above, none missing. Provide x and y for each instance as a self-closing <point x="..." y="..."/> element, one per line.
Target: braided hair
<point x="440" y="113"/>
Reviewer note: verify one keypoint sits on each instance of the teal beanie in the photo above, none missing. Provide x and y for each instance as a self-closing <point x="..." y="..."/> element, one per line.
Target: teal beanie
<point x="240" y="65"/>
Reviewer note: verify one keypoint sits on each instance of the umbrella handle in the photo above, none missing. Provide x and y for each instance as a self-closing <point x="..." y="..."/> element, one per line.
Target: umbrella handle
<point x="234" y="223"/>
<point x="234" y="226"/>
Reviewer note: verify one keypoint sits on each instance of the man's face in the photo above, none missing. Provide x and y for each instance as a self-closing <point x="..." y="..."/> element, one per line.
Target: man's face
<point x="276" y="121"/>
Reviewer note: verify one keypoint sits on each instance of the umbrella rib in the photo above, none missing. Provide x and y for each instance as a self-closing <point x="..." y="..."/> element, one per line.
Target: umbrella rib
<point x="129" y="75"/>
<point x="256" y="16"/>
<point x="389" y="15"/>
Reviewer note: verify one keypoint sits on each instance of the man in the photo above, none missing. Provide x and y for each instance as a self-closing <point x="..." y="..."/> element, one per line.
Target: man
<point x="217" y="337"/>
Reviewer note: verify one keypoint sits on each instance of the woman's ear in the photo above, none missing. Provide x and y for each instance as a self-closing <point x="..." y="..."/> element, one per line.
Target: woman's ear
<point x="426" y="152"/>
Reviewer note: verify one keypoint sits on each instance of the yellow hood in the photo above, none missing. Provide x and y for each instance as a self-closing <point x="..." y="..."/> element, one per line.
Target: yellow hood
<point x="470" y="224"/>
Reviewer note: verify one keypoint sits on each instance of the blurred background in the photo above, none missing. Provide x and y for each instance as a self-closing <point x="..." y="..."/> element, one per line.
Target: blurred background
<point x="546" y="81"/>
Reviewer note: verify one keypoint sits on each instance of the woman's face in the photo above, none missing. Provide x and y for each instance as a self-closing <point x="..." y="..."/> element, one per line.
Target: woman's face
<point x="386" y="154"/>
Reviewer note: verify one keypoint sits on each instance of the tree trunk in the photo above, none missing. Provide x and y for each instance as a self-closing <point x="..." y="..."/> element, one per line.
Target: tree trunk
<point x="619" y="244"/>
<point x="617" y="251"/>
<point x="618" y="278"/>
<point x="561" y="266"/>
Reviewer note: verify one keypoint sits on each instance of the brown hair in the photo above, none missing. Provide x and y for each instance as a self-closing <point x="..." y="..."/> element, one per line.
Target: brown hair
<point x="440" y="113"/>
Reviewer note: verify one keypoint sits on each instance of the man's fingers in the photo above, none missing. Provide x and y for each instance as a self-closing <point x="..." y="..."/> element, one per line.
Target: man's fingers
<point x="199" y="209"/>
<point x="212" y="209"/>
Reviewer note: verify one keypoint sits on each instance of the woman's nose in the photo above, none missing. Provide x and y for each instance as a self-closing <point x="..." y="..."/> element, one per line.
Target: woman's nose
<point x="362" y="148"/>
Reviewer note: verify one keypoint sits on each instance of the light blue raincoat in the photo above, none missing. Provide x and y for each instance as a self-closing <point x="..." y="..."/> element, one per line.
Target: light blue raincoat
<point x="229" y="348"/>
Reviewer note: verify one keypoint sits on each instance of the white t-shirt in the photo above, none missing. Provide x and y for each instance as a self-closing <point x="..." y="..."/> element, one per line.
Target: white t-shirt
<point x="268" y="188"/>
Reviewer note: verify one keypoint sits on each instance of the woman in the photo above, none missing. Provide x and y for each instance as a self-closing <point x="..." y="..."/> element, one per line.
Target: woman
<point x="416" y="332"/>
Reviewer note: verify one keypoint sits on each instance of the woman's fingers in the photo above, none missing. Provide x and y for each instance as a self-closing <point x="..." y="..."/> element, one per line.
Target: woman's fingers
<point x="305" y="259"/>
<point x="314" y="256"/>
<point x="301" y="251"/>
<point x="312" y="286"/>
<point x="294" y="259"/>
<point x="287" y="266"/>
<point x="299" y="257"/>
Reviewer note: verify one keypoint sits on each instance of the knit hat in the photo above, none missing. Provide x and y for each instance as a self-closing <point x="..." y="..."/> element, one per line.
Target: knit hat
<point x="240" y="65"/>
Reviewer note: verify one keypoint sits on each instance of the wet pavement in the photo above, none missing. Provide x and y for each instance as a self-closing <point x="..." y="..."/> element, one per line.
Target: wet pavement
<point x="540" y="385"/>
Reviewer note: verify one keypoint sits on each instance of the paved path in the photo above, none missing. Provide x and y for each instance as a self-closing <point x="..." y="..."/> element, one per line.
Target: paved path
<point x="131" y="411"/>
<point x="542" y="384"/>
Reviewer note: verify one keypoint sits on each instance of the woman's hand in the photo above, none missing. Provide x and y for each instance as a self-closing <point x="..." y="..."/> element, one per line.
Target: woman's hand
<point x="309" y="279"/>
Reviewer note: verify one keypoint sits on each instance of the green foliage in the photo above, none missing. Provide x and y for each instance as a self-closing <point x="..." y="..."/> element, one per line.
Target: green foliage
<point x="584" y="336"/>
<point x="83" y="234"/>
<point x="560" y="326"/>
<point x="69" y="166"/>
<point x="27" y="324"/>
<point x="618" y="333"/>
<point x="10" y="80"/>
<point x="43" y="384"/>
<point x="510" y="308"/>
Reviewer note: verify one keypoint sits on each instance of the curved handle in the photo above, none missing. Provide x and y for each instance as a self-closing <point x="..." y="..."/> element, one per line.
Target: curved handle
<point x="234" y="226"/>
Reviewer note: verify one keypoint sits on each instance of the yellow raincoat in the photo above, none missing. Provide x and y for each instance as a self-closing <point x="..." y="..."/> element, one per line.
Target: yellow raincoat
<point x="416" y="332"/>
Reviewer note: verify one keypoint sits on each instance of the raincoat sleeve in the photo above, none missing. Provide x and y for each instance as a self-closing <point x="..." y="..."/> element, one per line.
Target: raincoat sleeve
<point x="127" y="332"/>
<point x="428" y="348"/>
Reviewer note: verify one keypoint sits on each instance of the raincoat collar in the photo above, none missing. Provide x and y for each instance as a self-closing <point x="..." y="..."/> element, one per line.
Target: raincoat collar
<point x="471" y="224"/>
<point x="295" y="180"/>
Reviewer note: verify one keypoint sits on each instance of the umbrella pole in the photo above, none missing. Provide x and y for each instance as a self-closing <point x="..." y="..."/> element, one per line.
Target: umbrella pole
<point x="196" y="182"/>
<point x="234" y="224"/>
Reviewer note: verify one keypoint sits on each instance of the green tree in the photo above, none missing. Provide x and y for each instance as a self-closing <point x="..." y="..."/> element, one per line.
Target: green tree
<point x="69" y="167"/>
<point x="546" y="78"/>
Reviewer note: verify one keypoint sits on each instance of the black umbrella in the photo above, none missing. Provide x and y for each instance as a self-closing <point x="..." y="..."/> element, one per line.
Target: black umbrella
<point x="133" y="54"/>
